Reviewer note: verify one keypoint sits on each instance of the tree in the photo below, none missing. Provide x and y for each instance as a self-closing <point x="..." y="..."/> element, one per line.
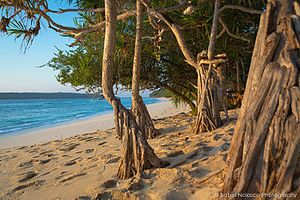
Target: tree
<point x="136" y="152"/>
<point x="139" y="109"/>
<point x="209" y="97"/>
<point x="264" y="155"/>
<point x="163" y="66"/>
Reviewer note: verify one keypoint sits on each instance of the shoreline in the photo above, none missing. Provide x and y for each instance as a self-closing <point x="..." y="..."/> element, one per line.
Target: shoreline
<point x="25" y="130"/>
<point x="86" y="165"/>
<point x="64" y="130"/>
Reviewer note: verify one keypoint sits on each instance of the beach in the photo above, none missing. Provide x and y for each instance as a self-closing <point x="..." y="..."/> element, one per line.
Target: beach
<point x="91" y="124"/>
<point x="79" y="160"/>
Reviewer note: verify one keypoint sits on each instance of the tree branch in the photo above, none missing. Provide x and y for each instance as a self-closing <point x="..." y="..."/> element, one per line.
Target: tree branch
<point x="241" y="8"/>
<point x="61" y="11"/>
<point x="221" y="33"/>
<point x="79" y="33"/>
<point x="176" y="31"/>
<point x="93" y="28"/>
<point x="230" y="33"/>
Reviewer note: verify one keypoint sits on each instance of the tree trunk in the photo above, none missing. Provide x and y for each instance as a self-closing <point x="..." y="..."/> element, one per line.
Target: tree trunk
<point x="265" y="152"/>
<point x="139" y="109"/>
<point x="136" y="152"/>
<point x="208" y="117"/>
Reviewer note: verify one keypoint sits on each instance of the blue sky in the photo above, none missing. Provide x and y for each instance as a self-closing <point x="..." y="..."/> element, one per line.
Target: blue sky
<point x="18" y="71"/>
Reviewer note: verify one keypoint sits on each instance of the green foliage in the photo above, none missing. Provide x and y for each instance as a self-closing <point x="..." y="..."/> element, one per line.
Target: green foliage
<point x="80" y="67"/>
<point x="163" y="65"/>
<point x="161" y="93"/>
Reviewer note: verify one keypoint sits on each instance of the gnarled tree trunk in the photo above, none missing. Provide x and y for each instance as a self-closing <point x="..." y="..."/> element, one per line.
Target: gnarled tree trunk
<point x="208" y="116"/>
<point x="265" y="153"/>
<point x="136" y="152"/>
<point x="139" y="109"/>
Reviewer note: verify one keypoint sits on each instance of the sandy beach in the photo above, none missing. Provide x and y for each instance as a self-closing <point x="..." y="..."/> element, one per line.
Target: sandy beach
<point x="92" y="124"/>
<point x="83" y="164"/>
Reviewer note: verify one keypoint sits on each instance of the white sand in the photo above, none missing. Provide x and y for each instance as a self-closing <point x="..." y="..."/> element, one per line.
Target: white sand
<point x="85" y="166"/>
<point x="103" y="122"/>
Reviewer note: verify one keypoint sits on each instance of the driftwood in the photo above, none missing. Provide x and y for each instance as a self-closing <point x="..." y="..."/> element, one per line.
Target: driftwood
<point x="265" y="152"/>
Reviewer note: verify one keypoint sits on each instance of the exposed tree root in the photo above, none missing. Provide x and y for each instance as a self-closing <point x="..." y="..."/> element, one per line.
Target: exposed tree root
<point x="210" y="93"/>
<point x="144" y="120"/>
<point x="137" y="154"/>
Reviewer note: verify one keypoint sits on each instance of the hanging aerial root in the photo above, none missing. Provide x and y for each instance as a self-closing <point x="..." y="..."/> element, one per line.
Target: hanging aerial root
<point x="210" y="92"/>
<point x="145" y="122"/>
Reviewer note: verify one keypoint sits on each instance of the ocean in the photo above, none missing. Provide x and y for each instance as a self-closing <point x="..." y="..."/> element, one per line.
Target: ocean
<point x="21" y="114"/>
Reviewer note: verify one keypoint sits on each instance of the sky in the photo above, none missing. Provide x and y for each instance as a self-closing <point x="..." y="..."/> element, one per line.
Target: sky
<point x="19" y="71"/>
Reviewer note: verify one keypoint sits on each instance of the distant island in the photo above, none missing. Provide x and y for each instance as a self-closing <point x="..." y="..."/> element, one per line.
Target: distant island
<point x="40" y="95"/>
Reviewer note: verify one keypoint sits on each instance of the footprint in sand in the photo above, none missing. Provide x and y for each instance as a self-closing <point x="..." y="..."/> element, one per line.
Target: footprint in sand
<point x="104" y="196"/>
<point x="175" y="195"/>
<point x="90" y="139"/>
<point x="101" y="143"/>
<point x="73" y="161"/>
<point x="199" y="172"/>
<point x="47" y="152"/>
<point x="70" y="163"/>
<point x="109" y="184"/>
<point x="44" y="161"/>
<point x="175" y="153"/>
<point x="138" y="185"/>
<point x="7" y="158"/>
<point x="113" y="160"/>
<point x="71" y="177"/>
<point x="27" y="176"/>
<point x="83" y="198"/>
<point x="89" y="150"/>
<point x="35" y="150"/>
<point x="30" y="184"/>
<point x="23" y="147"/>
<point x="26" y="164"/>
<point x="69" y="147"/>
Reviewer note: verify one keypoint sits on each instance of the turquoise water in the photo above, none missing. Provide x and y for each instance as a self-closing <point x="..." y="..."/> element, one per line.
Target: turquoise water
<point x="22" y="114"/>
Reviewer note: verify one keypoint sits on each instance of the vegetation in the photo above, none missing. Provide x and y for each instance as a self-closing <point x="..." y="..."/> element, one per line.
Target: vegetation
<point x="160" y="93"/>
<point x="197" y="53"/>
<point x="162" y="63"/>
